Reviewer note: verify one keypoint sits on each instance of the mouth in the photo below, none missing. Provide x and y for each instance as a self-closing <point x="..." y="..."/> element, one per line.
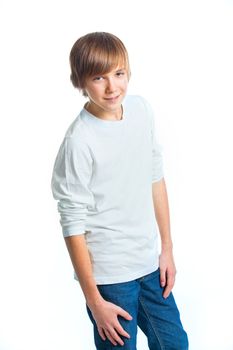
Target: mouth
<point x="112" y="99"/>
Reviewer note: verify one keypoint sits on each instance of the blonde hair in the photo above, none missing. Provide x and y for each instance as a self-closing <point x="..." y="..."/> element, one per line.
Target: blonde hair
<point x="96" y="53"/>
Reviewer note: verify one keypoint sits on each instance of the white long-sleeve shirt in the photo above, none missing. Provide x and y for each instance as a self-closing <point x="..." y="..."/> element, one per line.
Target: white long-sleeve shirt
<point x="102" y="179"/>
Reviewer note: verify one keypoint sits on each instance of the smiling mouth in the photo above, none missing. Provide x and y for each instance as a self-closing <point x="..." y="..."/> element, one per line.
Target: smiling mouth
<point x="112" y="98"/>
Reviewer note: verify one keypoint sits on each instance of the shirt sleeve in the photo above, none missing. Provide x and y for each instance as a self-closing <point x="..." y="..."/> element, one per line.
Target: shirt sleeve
<point x="70" y="185"/>
<point x="157" y="156"/>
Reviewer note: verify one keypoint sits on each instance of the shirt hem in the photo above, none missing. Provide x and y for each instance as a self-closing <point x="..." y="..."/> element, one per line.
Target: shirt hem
<point x="122" y="278"/>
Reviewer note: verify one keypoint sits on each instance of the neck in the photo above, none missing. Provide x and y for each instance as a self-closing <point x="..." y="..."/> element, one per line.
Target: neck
<point x="117" y="115"/>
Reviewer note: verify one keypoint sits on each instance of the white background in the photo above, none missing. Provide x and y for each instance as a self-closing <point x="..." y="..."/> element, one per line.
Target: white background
<point x="181" y="55"/>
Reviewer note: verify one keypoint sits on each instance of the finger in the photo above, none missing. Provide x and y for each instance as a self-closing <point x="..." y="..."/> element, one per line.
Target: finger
<point x="163" y="278"/>
<point x="101" y="333"/>
<point x="121" y="330"/>
<point x="166" y="292"/>
<point x="170" y="285"/>
<point x="113" y="337"/>
<point x="116" y="337"/>
<point x="124" y="314"/>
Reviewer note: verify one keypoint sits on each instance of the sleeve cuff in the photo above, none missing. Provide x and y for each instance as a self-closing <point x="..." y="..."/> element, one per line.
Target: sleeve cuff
<point x="67" y="232"/>
<point x="157" y="179"/>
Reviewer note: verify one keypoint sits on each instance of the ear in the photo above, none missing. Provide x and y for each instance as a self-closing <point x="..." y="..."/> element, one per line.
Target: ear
<point x="84" y="93"/>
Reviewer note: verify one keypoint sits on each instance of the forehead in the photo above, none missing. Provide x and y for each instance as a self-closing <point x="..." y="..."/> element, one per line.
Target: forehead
<point x="115" y="69"/>
<point x="109" y="70"/>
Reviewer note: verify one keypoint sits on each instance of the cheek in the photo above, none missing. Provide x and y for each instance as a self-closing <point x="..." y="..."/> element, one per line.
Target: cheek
<point x="124" y="84"/>
<point x="94" y="92"/>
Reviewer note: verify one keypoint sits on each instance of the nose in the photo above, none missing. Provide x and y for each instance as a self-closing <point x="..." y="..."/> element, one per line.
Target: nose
<point x="110" y="86"/>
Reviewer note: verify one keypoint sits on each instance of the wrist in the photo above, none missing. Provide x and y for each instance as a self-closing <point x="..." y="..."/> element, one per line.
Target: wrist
<point x="166" y="246"/>
<point x="94" y="301"/>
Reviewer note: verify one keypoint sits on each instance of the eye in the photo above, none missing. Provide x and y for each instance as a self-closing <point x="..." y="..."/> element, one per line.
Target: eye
<point x="120" y="73"/>
<point x="97" y="78"/>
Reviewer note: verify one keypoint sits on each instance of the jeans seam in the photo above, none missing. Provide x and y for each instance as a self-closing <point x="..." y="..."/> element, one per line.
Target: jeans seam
<point x="155" y="331"/>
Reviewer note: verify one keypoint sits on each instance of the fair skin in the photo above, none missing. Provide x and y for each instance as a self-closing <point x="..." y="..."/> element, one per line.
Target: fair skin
<point x="105" y="94"/>
<point x="166" y="259"/>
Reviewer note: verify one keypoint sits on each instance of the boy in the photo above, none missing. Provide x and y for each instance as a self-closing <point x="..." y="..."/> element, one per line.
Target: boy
<point x="109" y="183"/>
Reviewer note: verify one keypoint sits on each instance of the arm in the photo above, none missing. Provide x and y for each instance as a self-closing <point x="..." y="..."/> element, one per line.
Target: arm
<point x="166" y="262"/>
<point x="104" y="313"/>
<point x="79" y="255"/>
<point x="70" y="186"/>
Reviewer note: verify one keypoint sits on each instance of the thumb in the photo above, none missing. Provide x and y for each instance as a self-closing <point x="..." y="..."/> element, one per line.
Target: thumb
<point x="124" y="314"/>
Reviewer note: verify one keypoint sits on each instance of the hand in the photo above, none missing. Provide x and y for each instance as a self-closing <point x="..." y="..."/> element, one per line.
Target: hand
<point x="167" y="271"/>
<point x="108" y="325"/>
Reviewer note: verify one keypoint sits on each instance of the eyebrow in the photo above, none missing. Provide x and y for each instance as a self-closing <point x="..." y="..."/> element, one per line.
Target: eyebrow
<point x="120" y="69"/>
<point x="115" y="71"/>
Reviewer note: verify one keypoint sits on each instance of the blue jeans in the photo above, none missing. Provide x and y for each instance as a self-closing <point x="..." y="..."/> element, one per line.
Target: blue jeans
<point x="157" y="317"/>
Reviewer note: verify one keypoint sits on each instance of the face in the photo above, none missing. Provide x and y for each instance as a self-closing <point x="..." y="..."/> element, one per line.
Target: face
<point x="106" y="93"/>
